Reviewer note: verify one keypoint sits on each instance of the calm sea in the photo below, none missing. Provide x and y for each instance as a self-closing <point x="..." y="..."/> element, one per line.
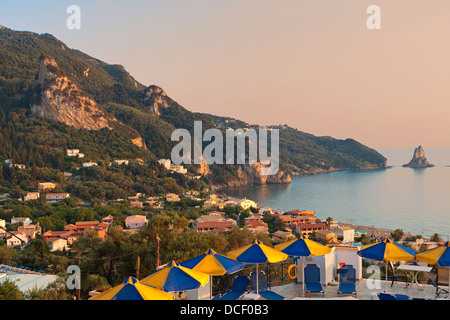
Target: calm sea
<point x="415" y="200"/>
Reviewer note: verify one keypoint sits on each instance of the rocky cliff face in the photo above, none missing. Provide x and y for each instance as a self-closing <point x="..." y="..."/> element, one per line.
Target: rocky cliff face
<point x="251" y="174"/>
<point x="418" y="160"/>
<point x="62" y="101"/>
<point x="156" y="99"/>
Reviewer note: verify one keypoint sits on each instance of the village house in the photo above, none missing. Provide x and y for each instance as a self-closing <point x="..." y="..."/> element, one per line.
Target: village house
<point x="166" y="163"/>
<point x="178" y="168"/>
<point x="72" y="152"/>
<point x="136" y="221"/>
<point x="13" y="241"/>
<point x="108" y="219"/>
<point x="89" y="164"/>
<point x="56" y="244"/>
<point x="31" y="196"/>
<point x="56" y="197"/>
<point x="171" y="197"/>
<point x="70" y="236"/>
<point x="80" y="226"/>
<point x="214" y="221"/>
<point x="282" y="236"/>
<point x="45" y="186"/>
<point x="23" y="220"/>
<point x="256" y="225"/>
<point x="346" y="233"/>
<point x="120" y="162"/>
<point x="247" y="204"/>
<point x="325" y="235"/>
<point x="136" y="204"/>
<point x="29" y="230"/>
<point x="309" y="228"/>
<point x="18" y="166"/>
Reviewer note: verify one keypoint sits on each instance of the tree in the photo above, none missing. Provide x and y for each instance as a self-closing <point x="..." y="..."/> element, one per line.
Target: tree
<point x="56" y="290"/>
<point x="329" y="221"/>
<point x="10" y="291"/>
<point x="436" y="238"/>
<point x="397" y="234"/>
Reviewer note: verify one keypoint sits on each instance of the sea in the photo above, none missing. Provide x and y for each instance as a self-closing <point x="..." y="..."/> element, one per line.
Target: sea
<point x="414" y="200"/>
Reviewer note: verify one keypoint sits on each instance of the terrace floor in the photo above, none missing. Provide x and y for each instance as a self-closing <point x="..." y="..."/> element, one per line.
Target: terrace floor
<point x="294" y="291"/>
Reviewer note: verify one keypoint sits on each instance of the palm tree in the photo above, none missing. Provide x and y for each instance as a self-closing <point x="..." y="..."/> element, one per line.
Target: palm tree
<point x="329" y="220"/>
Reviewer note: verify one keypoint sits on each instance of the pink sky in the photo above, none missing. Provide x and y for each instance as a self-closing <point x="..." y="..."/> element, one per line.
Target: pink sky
<point x="311" y="64"/>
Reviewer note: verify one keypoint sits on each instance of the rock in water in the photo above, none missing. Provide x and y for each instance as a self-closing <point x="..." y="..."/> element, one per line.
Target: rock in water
<point x="418" y="160"/>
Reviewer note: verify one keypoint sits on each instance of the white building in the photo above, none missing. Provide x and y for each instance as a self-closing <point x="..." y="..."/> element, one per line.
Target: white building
<point x="329" y="263"/>
<point x="120" y="162"/>
<point x="166" y="163"/>
<point x="90" y="164"/>
<point x="346" y="233"/>
<point x="57" y="197"/>
<point x="73" y="152"/>
<point x="24" y="220"/>
<point x="13" y="241"/>
<point x="136" y="221"/>
<point x="178" y="168"/>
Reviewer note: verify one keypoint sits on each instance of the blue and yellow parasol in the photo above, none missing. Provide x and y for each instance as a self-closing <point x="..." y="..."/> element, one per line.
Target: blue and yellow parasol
<point x="387" y="251"/>
<point x="256" y="253"/>
<point x="132" y="289"/>
<point x="303" y="247"/>
<point x="174" y="277"/>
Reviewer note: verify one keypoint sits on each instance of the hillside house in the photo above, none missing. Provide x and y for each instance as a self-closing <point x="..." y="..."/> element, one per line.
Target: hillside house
<point x="29" y="230"/>
<point x="57" y="244"/>
<point x="17" y="240"/>
<point x="136" y="221"/>
<point x="166" y="163"/>
<point x="121" y="162"/>
<point x="171" y="197"/>
<point x="56" y="197"/>
<point x="247" y="204"/>
<point x="31" y="196"/>
<point x="23" y="220"/>
<point x="89" y="164"/>
<point x="46" y="186"/>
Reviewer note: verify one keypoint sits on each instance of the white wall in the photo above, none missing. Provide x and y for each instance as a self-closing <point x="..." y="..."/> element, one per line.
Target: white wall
<point x="202" y="293"/>
<point x="328" y="264"/>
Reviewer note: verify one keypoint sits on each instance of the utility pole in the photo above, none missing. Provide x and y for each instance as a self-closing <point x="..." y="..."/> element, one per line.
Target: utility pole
<point x="79" y="286"/>
<point x="138" y="264"/>
<point x="158" y="263"/>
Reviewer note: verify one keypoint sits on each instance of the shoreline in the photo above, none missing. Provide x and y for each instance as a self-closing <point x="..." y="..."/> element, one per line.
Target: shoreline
<point x="371" y="231"/>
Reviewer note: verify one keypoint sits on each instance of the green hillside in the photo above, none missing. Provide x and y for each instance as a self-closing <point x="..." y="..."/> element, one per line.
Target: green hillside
<point x="35" y="141"/>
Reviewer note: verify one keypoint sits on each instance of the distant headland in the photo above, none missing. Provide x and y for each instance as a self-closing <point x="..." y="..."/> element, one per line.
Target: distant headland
<point x="418" y="160"/>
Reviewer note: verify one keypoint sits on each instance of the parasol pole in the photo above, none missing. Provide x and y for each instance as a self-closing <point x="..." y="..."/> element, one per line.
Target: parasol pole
<point x="257" y="280"/>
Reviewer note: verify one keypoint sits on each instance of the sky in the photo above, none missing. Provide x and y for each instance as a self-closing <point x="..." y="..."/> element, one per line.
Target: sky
<point x="311" y="64"/>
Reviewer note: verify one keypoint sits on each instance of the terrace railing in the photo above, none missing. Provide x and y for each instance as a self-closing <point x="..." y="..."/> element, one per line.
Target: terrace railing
<point x="276" y="274"/>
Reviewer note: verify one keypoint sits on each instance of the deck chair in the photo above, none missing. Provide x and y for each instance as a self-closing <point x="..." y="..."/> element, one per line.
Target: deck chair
<point x="312" y="279"/>
<point x="263" y="289"/>
<point x="238" y="289"/>
<point x="347" y="280"/>
<point x="441" y="282"/>
<point x="387" y="296"/>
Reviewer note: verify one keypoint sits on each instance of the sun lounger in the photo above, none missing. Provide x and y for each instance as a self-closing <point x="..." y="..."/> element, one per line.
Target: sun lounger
<point x="312" y="279"/>
<point x="263" y="289"/>
<point x="238" y="289"/>
<point x="347" y="280"/>
<point x="387" y="296"/>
